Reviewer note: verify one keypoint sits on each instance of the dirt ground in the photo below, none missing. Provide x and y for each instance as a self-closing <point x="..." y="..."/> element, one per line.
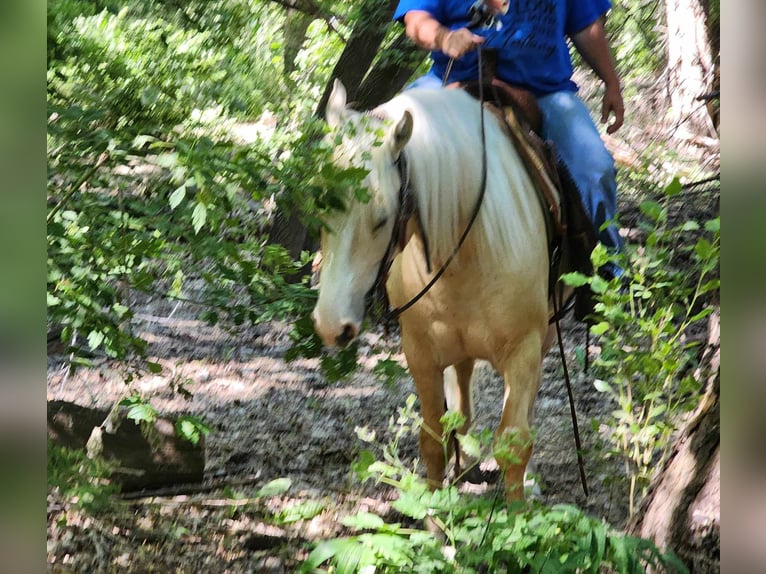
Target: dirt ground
<point x="271" y="419"/>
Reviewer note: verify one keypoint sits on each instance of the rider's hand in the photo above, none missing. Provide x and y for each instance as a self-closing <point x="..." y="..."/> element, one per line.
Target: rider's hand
<point x="455" y="43"/>
<point x="612" y="104"/>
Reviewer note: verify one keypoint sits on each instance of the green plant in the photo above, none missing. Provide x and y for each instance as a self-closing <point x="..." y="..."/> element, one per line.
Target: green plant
<point x="479" y="534"/>
<point x="284" y="514"/>
<point x="644" y="323"/>
<point x="79" y="478"/>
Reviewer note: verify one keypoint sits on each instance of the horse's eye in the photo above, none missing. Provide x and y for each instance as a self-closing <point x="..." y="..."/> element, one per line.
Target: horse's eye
<point x="380" y="224"/>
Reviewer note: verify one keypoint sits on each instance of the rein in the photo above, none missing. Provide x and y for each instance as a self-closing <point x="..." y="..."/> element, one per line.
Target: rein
<point x="407" y="209"/>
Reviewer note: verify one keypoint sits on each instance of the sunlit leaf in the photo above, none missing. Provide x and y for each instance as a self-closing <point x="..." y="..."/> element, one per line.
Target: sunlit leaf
<point x="274" y="488"/>
<point x="199" y="216"/>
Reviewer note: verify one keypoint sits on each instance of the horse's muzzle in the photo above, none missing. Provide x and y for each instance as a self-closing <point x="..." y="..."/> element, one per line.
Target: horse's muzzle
<point x="346" y="336"/>
<point x="334" y="333"/>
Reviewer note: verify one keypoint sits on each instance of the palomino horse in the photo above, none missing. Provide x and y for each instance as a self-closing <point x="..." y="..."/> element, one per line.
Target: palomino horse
<point x="491" y="303"/>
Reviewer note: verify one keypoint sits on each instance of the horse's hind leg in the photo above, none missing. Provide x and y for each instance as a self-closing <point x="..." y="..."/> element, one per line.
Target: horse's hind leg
<point x="521" y="372"/>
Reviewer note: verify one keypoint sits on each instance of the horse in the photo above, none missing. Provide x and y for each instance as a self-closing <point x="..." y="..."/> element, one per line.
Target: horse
<point x="491" y="302"/>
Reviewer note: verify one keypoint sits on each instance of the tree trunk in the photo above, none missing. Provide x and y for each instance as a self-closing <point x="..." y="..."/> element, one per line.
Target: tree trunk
<point x="682" y="511"/>
<point x="361" y="49"/>
<point x="161" y="459"/>
<point x="690" y="67"/>
<point x="391" y="72"/>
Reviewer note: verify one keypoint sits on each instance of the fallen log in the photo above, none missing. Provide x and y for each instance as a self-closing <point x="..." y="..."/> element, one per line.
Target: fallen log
<point x="141" y="460"/>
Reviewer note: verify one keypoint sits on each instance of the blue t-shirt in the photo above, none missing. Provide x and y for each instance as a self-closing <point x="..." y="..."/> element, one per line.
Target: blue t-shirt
<point x="532" y="49"/>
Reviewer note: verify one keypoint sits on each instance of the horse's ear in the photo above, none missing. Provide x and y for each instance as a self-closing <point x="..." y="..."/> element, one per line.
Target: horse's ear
<point x="402" y="132"/>
<point x="336" y="104"/>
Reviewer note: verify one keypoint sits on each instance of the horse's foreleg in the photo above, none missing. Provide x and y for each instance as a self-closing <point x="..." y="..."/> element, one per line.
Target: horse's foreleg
<point x="429" y="383"/>
<point x="457" y="387"/>
<point x="521" y="373"/>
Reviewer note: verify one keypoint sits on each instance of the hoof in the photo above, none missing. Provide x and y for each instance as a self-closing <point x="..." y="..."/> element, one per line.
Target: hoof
<point x="478" y="476"/>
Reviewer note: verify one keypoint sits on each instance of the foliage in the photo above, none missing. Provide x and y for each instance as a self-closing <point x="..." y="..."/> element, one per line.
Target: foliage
<point x="644" y="322"/>
<point x="140" y="411"/>
<point x="79" y="478"/>
<point x="635" y="32"/>
<point x="480" y="534"/>
<point x="150" y="192"/>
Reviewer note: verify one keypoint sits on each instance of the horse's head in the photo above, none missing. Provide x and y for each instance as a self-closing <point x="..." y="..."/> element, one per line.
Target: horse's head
<point x="354" y="240"/>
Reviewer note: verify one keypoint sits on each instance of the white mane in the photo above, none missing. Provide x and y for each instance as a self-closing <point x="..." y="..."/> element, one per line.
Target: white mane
<point x="445" y="162"/>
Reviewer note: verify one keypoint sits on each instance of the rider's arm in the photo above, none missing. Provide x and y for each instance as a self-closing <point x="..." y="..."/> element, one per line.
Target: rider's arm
<point x="592" y="45"/>
<point x="429" y="34"/>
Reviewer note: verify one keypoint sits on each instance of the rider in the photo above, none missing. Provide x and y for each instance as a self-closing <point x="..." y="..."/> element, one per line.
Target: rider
<point x="530" y="38"/>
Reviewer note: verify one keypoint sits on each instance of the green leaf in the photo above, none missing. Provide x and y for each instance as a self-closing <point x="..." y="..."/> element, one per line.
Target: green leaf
<point x="389" y="546"/>
<point x="411" y="504"/>
<point x="142" y="412"/>
<point x="365" y="434"/>
<point x="652" y="210"/>
<point x="703" y="249"/>
<point x="191" y="428"/>
<point x="363" y="521"/>
<point x="390" y="370"/>
<point x="274" y="488"/>
<point x="599" y="328"/>
<point x="603" y="387"/>
<point x="690" y="226"/>
<point x="599" y="256"/>
<point x="304" y="510"/>
<point x="199" y="216"/>
<point x="177" y="196"/>
<point x="701" y="315"/>
<point x="714" y="225"/>
<point x="95" y="338"/>
<point x="167" y="160"/>
<point x="598" y="284"/>
<point x="711" y="285"/>
<point x="150" y="95"/>
<point x="470" y="445"/>
<point x="326" y="550"/>
<point x="153" y="367"/>
<point x="574" y="279"/>
<point x="674" y="187"/>
<point x="451" y="420"/>
<point x="141" y="140"/>
<point x="382" y="468"/>
<point x="657" y="411"/>
<point x="361" y="465"/>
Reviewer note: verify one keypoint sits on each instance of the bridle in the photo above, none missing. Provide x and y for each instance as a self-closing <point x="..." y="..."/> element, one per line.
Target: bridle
<point x="407" y="209"/>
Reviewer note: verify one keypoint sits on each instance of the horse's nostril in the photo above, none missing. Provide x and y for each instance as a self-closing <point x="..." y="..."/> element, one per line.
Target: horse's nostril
<point x="349" y="332"/>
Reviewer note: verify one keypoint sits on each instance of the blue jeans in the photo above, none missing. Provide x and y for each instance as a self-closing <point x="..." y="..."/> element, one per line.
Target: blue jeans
<point x="568" y="124"/>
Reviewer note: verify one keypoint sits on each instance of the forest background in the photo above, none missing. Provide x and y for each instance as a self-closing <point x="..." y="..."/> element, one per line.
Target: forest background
<point x="150" y="115"/>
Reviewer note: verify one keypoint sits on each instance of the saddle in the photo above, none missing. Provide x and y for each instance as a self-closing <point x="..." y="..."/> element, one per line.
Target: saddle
<point x="570" y="233"/>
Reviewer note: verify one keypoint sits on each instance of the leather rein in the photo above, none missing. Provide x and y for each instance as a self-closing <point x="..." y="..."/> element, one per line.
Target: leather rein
<point x="407" y="209"/>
